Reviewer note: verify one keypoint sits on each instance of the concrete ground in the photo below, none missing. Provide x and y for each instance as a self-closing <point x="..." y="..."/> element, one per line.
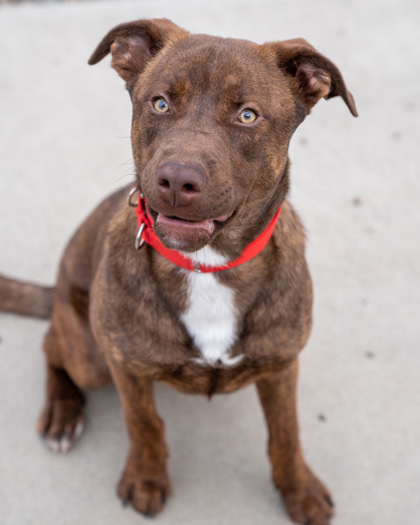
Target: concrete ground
<point x="64" y="131"/>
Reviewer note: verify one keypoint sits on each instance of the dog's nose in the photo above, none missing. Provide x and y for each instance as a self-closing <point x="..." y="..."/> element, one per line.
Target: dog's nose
<point x="179" y="184"/>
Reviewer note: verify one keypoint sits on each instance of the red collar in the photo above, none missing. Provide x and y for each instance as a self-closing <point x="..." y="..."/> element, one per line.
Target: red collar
<point x="147" y="234"/>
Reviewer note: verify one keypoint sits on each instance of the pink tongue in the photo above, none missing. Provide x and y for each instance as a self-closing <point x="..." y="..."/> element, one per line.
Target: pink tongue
<point x="180" y="225"/>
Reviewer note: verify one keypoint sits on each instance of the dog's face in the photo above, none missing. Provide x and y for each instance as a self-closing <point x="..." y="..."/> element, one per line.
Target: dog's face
<point x="212" y="121"/>
<point x="211" y="124"/>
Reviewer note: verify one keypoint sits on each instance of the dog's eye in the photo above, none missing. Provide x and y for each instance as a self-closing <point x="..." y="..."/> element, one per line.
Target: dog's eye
<point x="247" y="116"/>
<point x="161" y="105"/>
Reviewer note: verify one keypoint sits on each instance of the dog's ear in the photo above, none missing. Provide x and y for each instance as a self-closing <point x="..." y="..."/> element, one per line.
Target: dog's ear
<point x="133" y="44"/>
<point x="312" y="76"/>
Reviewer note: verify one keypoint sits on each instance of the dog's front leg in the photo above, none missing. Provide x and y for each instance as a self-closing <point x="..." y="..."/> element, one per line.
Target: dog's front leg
<point x="305" y="497"/>
<point x="144" y="482"/>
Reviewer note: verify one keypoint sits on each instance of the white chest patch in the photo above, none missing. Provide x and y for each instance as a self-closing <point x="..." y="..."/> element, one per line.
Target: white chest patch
<point x="211" y="318"/>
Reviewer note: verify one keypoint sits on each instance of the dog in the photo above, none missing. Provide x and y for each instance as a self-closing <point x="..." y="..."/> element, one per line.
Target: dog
<point x="197" y="278"/>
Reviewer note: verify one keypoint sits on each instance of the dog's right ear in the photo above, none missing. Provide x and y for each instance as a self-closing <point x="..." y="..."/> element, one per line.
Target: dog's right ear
<point x="132" y="45"/>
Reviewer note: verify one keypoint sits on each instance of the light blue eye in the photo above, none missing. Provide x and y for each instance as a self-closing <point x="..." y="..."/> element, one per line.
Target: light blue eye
<point x="161" y="105"/>
<point x="247" y="116"/>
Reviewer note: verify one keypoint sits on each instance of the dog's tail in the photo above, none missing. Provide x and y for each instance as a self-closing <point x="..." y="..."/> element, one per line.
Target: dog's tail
<point x="25" y="298"/>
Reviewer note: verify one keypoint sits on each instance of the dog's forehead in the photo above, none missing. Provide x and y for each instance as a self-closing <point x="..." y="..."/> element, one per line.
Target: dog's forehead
<point x="205" y="63"/>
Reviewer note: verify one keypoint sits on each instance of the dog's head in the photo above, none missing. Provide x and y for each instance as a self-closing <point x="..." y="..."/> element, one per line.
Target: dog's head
<point x="212" y="122"/>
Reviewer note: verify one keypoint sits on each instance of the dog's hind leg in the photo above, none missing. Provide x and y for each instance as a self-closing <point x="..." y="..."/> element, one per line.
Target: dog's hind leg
<point x="61" y="422"/>
<point x="74" y="363"/>
<point x="306" y="499"/>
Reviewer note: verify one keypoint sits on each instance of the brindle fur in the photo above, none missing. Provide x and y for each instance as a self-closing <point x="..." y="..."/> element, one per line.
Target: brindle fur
<point x="116" y="311"/>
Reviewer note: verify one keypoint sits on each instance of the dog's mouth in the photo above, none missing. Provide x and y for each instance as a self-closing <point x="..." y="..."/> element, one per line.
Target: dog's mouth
<point x="184" y="234"/>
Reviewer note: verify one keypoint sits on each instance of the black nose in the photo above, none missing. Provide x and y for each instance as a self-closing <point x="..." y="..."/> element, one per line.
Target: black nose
<point x="179" y="184"/>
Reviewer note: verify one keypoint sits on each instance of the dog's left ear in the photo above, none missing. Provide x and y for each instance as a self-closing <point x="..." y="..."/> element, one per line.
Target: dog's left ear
<point x="311" y="75"/>
<point x="134" y="44"/>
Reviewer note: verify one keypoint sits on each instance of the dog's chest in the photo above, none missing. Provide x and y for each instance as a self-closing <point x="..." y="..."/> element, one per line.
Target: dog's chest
<point x="211" y="318"/>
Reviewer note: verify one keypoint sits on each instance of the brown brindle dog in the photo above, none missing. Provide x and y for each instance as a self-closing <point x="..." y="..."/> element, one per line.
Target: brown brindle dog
<point x="212" y="122"/>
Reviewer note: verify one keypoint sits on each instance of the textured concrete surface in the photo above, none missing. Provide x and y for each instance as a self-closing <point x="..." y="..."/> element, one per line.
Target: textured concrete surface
<point x="64" y="144"/>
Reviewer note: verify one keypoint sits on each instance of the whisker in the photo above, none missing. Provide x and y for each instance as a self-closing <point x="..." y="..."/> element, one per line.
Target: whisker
<point x="129" y="161"/>
<point x="131" y="175"/>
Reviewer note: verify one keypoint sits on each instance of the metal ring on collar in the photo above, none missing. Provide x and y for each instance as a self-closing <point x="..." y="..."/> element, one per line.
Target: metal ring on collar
<point x="139" y="242"/>
<point x="133" y="192"/>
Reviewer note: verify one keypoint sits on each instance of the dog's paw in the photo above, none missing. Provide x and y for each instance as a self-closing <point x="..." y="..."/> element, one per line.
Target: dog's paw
<point x="309" y="502"/>
<point x="146" y="493"/>
<point x="61" y="423"/>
